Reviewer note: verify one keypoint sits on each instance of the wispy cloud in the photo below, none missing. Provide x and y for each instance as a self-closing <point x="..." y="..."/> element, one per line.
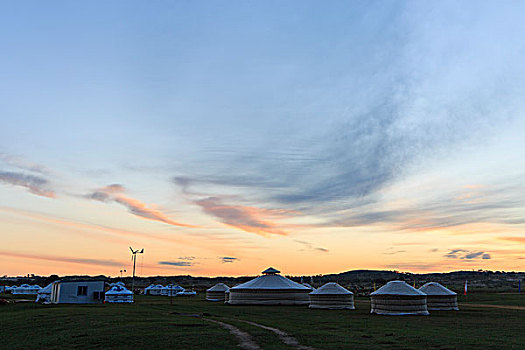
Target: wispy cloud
<point x="24" y="164"/>
<point x="33" y="183"/>
<point x="246" y="218"/>
<point x="228" y="259"/>
<point x="310" y="246"/>
<point x="115" y="193"/>
<point x="84" y="261"/>
<point x="177" y="263"/>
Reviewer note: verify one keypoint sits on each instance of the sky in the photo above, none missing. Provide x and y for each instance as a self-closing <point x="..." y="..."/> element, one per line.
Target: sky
<point x="226" y="137"/>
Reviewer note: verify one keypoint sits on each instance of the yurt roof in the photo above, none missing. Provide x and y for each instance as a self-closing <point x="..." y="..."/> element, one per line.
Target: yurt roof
<point x="331" y="288"/>
<point x="25" y="286"/>
<point x="219" y="287"/>
<point x="118" y="290"/>
<point x="434" y="288"/>
<point x="397" y="288"/>
<point x="308" y="286"/>
<point x="270" y="282"/>
<point x="271" y="270"/>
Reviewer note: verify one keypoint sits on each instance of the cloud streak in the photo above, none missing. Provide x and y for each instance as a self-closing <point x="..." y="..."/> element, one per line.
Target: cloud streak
<point x="33" y="183"/>
<point x="115" y="193"/>
<point x="177" y="263"/>
<point x="97" y="262"/>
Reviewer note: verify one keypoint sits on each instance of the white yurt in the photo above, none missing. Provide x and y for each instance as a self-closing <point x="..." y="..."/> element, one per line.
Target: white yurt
<point x="269" y="289"/>
<point x="308" y="286"/>
<point x="119" y="294"/>
<point x="44" y="294"/>
<point x="439" y="297"/>
<point x="148" y="288"/>
<point x="171" y="290"/>
<point x="398" y="298"/>
<point x="156" y="289"/>
<point x="332" y="296"/>
<point x="217" y="292"/>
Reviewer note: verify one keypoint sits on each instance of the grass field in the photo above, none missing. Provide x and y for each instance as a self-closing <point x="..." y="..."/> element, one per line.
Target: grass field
<point x="152" y="322"/>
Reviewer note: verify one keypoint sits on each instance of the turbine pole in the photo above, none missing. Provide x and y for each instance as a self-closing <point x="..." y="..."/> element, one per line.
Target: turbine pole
<point x="134" y="258"/>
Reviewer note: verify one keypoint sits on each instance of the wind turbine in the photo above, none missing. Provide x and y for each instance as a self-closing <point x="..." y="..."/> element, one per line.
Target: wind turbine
<point x="134" y="258"/>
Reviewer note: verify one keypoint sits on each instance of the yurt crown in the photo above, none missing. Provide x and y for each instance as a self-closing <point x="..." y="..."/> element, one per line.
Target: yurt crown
<point x="270" y="271"/>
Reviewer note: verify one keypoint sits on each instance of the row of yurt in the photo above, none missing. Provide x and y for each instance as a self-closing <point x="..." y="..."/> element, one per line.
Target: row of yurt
<point x="118" y="294"/>
<point x="217" y="292"/>
<point x="26" y="289"/>
<point x="269" y="289"/>
<point x="399" y="298"/>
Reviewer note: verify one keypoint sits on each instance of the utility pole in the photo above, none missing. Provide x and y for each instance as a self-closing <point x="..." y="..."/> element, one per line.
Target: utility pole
<point x="134" y="258"/>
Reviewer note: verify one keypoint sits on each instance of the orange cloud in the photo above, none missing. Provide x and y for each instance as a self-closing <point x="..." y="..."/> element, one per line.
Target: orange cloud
<point x="115" y="193"/>
<point x="514" y="239"/>
<point x="246" y="218"/>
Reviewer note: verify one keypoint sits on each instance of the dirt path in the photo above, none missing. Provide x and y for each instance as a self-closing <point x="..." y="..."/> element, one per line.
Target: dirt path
<point x="245" y="340"/>
<point x="508" y="307"/>
<point x="283" y="336"/>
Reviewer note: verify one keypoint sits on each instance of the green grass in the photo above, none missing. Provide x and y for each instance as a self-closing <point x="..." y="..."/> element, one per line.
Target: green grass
<point x="152" y="322"/>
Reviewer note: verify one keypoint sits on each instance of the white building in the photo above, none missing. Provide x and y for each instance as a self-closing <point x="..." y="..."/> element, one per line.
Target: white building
<point x="77" y="292"/>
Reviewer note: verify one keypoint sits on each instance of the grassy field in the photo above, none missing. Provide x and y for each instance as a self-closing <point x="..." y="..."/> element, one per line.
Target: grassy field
<point x="152" y="322"/>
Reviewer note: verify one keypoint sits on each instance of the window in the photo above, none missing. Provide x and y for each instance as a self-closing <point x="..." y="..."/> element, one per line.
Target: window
<point x="81" y="290"/>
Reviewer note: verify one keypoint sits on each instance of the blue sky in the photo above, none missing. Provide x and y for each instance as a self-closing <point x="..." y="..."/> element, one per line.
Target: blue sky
<point x="265" y="124"/>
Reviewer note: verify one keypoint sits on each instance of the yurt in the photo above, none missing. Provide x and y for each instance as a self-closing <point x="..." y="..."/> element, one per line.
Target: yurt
<point x="398" y="298"/>
<point x="269" y="289"/>
<point x="44" y="294"/>
<point x="155" y="290"/>
<point x="171" y="290"/>
<point x="439" y="297"/>
<point x="119" y="294"/>
<point x="332" y="296"/>
<point x="217" y="292"/>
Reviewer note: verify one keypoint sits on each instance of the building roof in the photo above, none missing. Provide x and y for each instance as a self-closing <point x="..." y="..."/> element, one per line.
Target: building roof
<point x="219" y="287"/>
<point x="434" y="288"/>
<point x="270" y="281"/>
<point x="331" y="288"/>
<point x="397" y="288"/>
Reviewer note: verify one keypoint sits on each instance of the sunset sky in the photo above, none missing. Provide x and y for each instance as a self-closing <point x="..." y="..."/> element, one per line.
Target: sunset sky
<point x="224" y="137"/>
